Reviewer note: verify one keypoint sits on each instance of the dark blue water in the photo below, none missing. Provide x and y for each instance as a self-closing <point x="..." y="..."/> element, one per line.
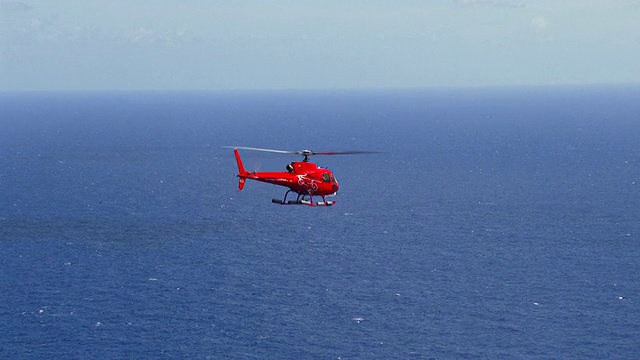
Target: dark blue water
<point x="495" y="223"/>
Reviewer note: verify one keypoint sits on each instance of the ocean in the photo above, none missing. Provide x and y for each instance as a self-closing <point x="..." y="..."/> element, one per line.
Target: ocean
<point x="493" y="223"/>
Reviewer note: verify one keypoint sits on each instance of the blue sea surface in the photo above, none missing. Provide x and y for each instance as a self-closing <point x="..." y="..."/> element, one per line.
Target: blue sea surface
<point x="495" y="223"/>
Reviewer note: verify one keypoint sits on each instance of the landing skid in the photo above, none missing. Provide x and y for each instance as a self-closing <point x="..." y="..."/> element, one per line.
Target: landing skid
<point x="301" y="201"/>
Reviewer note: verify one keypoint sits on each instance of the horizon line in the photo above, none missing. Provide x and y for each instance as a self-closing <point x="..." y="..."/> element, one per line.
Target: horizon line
<point x="325" y="89"/>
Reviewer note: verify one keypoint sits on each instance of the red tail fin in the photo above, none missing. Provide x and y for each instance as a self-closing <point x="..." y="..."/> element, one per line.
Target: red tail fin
<point x="241" y="172"/>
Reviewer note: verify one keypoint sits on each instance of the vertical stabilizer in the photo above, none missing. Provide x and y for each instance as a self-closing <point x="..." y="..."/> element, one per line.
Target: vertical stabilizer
<point x="242" y="174"/>
<point x="239" y="162"/>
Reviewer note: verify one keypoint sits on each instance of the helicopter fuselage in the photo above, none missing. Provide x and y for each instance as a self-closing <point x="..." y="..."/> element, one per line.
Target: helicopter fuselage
<point x="302" y="177"/>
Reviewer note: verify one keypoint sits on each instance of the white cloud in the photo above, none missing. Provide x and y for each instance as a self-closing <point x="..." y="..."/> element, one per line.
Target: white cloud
<point x="490" y="3"/>
<point x="539" y="23"/>
<point x="141" y="34"/>
<point x="36" y="23"/>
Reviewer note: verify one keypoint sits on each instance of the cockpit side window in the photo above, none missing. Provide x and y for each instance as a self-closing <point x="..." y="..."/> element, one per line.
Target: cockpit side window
<point x="326" y="178"/>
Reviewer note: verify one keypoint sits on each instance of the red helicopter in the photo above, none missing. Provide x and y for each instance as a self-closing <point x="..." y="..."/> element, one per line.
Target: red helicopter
<point x="304" y="178"/>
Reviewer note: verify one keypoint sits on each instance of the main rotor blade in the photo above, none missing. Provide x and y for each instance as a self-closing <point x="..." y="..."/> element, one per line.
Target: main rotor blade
<point x="306" y="153"/>
<point x="261" y="149"/>
<point x="352" y="152"/>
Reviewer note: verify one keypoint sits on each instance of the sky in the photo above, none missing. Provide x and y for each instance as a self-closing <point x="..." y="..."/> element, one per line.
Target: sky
<point x="332" y="44"/>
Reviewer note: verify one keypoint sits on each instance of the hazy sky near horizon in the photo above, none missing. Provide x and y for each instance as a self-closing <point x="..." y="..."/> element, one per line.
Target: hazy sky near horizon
<point x="251" y="44"/>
